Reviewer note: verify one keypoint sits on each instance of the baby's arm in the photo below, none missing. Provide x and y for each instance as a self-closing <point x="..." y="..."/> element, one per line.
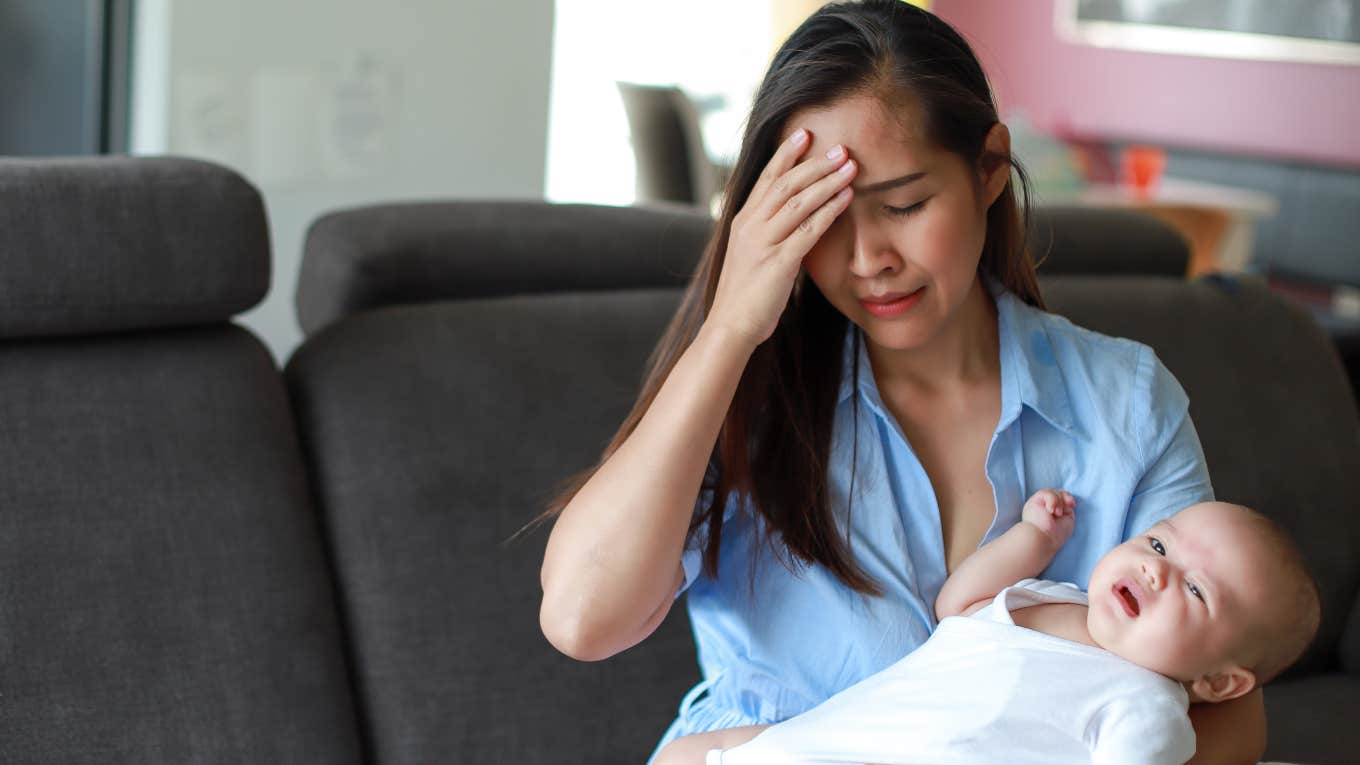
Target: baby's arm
<point x="690" y="750"/>
<point x="1022" y="552"/>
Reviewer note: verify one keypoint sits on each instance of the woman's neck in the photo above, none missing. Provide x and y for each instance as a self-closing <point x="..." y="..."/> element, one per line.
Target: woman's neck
<point x="967" y="350"/>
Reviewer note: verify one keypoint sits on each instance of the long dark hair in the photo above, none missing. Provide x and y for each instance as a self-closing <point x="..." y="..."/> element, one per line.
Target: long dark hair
<point x="775" y="444"/>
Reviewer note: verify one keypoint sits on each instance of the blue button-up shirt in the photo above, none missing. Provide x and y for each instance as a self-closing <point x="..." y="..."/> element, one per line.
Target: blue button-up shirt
<point x="1095" y="415"/>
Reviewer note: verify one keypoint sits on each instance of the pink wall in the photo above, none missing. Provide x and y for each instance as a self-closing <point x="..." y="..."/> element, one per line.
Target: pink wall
<point x="1307" y="112"/>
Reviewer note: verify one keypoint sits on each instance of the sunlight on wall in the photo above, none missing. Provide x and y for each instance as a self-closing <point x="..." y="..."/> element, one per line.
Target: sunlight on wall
<point x="716" y="50"/>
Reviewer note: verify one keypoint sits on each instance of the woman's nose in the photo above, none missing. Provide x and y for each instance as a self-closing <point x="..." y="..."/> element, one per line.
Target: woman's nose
<point x="872" y="255"/>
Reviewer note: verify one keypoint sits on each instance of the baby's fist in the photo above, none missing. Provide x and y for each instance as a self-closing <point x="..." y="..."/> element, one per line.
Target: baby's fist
<point x="1051" y="511"/>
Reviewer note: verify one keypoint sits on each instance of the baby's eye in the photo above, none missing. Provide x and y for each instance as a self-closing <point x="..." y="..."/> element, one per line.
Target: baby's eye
<point x="1195" y="591"/>
<point x="1157" y="545"/>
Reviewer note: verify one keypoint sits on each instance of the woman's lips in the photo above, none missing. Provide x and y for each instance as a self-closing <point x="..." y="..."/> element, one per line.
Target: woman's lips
<point x="891" y="304"/>
<point x="1129" y="596"/>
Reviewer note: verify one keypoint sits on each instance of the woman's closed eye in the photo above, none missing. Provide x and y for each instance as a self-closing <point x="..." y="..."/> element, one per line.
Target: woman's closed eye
<point x="902" y="212"/>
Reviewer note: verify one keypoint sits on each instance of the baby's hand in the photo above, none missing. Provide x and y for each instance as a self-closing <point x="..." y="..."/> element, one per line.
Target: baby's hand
<point x="1051" y="511"/>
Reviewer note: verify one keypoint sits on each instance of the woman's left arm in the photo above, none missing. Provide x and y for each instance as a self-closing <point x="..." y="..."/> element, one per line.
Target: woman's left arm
<point x="1230" y="732"/>
<point x="1174" y="472"/>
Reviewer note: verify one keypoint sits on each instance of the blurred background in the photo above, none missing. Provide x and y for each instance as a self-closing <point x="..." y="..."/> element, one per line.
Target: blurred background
<point x="1234" y="120"/>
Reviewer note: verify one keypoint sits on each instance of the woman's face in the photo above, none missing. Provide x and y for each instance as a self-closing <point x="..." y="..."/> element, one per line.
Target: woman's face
<point x="903" y="258"/>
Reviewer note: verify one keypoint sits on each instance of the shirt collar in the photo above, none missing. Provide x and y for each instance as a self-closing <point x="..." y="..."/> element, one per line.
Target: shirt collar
<point x="1030" y="375"/>
<point x="868" y="388"/>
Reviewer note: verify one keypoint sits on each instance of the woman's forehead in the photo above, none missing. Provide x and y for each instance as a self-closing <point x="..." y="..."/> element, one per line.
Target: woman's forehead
<point x="865" y="125"/>
<point x="859" y="116"/>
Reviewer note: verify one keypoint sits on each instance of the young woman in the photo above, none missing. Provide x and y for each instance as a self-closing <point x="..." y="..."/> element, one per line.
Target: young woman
<point x="859" y="388"/>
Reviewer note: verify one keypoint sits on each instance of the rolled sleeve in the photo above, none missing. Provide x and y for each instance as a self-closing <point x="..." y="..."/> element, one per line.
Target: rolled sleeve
<point x="692" y="561"/>
<point x="1175" y="474"/>
<point x="692" y="557"/>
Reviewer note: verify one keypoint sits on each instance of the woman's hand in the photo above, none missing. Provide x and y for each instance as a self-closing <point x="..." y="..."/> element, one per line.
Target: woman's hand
<point x="792" y="204"/>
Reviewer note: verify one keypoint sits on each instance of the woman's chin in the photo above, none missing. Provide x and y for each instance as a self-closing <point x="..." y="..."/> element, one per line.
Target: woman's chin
<point x="893" y="336"/>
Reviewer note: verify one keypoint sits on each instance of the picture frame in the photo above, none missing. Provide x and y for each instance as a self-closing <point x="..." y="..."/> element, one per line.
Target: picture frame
<point x="1311" y="31"/>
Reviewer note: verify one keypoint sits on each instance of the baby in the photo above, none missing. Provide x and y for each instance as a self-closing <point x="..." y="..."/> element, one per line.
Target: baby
<point x="1204" y="607"/>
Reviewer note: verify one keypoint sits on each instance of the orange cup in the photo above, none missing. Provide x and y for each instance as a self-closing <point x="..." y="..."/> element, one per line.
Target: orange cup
<point x="1140" y="168"/>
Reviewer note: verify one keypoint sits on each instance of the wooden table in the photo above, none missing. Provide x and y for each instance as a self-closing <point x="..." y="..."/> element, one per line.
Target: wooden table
<point x="1219" y="222"/>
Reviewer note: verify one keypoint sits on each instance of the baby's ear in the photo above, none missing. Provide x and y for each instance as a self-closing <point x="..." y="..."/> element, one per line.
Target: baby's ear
<point x="1229" y="683"/>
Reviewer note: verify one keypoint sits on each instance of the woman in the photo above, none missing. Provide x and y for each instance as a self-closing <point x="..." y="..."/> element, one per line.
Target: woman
<point x="859" y="388"/>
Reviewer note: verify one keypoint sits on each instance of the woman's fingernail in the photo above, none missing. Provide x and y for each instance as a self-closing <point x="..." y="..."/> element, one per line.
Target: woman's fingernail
<point x="798" y="136"/>
<point x="847" y="167"/>
<point x="837" y="152"/>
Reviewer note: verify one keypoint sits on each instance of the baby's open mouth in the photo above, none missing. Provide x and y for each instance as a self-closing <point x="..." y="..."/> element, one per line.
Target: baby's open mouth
<point x="1127" y="594"/>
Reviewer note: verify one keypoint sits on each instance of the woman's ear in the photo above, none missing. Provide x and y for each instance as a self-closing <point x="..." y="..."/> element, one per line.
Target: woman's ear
<point x="1229" y="683"/>
<point x="994" y="169"/>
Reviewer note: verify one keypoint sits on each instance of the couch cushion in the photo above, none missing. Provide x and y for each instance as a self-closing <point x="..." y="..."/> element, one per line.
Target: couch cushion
<point x="488" y="405"/>
<point x="1312" y="719"/>
<point x="165" y="593"/>
<point x="102" y="244"/>
<point x="435" y="432"/>
<point x="1272" y="406"/>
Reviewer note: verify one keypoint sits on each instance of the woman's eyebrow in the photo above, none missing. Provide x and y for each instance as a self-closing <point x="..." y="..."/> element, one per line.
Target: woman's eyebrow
<point x="870" y="188"/>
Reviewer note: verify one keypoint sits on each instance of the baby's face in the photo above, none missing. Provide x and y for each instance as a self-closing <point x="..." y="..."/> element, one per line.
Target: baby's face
<point x="1180" y="598"/>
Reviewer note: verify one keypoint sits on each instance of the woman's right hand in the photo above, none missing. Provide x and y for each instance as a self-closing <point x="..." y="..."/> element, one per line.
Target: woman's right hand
<point x="612" y="566"/>
<point x="791" y="205"/>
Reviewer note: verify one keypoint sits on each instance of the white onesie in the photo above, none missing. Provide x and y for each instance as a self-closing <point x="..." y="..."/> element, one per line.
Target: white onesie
<point x="983" y="690"/>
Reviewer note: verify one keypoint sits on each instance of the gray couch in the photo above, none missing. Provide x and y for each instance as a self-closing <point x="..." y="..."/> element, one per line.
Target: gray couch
<point x="207" y="560"/>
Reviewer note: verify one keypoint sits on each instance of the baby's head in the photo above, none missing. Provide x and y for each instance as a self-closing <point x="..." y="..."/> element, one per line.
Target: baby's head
<point x="1216" y="596"/>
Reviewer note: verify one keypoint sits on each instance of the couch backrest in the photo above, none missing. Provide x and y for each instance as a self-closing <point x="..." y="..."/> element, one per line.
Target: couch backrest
<point x="404" y="253"/>
<point x="436" y="432"/>
<point x="399" y="254"/>
<point x="165" y="592"/>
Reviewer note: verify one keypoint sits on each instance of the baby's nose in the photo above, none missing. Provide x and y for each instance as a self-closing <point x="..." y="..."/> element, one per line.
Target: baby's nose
<point x="1154" y="570"/>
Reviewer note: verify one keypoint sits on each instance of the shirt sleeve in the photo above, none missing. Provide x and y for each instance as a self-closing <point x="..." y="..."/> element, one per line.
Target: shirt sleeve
<point x="1143" y="732"/>
<point x="692" y="557"/>
<point x="692" y="561"/>
<point x="1174" y="474"/>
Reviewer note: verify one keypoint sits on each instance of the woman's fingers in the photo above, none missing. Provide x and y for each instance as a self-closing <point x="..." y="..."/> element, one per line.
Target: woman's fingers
<point x="785" y="157"/>
<point x="761" y="262"/>
<point x="800" y="207"/>
<point x="810" y="229"/>
<point x="796" y="180"/>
